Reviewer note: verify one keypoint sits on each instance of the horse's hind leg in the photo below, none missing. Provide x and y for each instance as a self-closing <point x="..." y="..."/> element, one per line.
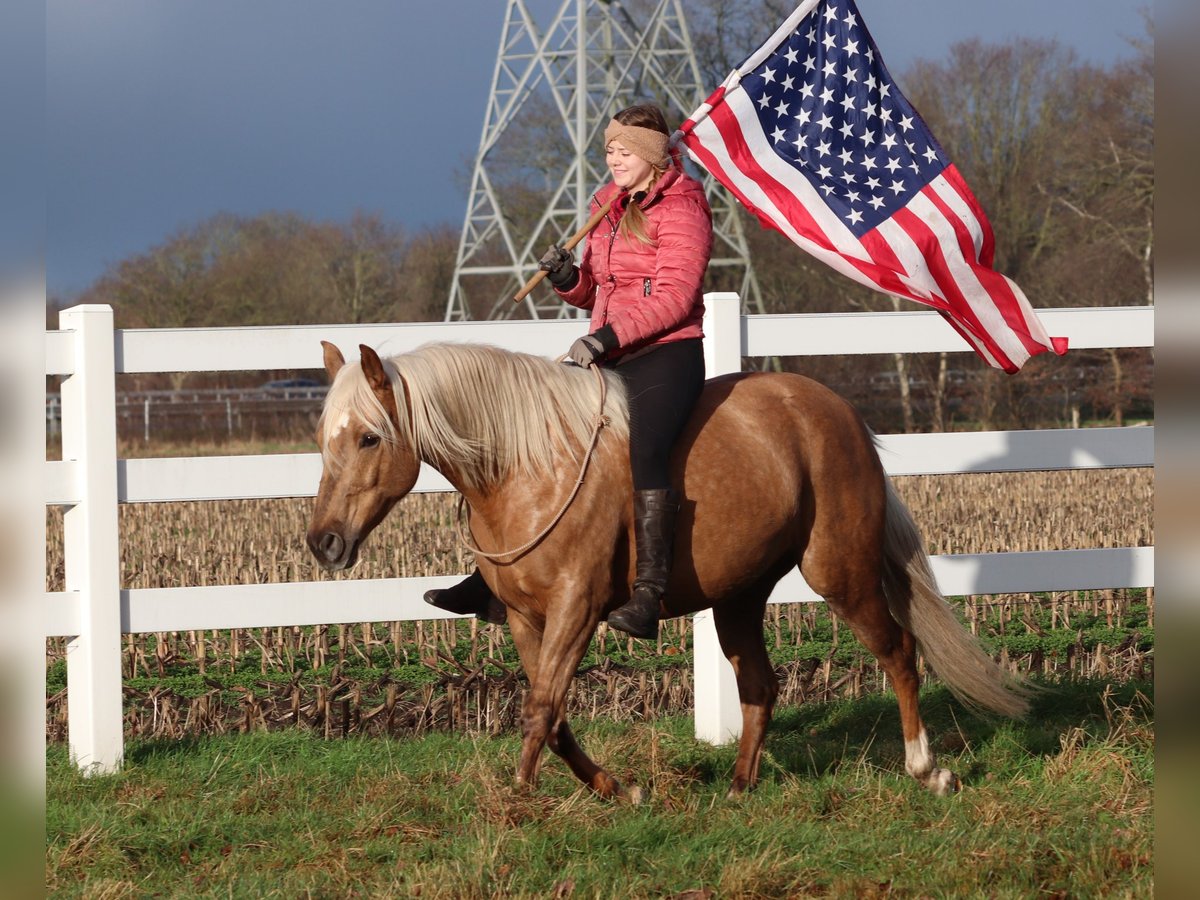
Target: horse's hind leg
<point x="557" y="733"/>
<point x="866" y="612"/>
<point x="740" y="631"/>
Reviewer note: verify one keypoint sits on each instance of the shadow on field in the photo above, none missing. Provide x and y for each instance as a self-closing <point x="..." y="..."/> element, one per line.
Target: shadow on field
<point x="252" y="748"/>
<point x="185" y="747"/>
<point x="819" y="739"/>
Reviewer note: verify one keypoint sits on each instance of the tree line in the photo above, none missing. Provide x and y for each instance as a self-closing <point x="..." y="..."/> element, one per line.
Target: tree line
<point x="282" y="269"/>
<point x="1058" y="151"/>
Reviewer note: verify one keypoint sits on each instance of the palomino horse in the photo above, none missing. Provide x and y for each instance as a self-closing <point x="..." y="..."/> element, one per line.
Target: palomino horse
<point x="774" y="471"/>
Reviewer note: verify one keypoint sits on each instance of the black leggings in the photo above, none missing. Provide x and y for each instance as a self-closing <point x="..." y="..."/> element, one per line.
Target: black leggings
<point x="663" y="386"/>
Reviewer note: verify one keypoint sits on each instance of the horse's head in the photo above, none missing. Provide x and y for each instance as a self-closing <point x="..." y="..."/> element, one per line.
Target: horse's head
<point x="368" y="462"/>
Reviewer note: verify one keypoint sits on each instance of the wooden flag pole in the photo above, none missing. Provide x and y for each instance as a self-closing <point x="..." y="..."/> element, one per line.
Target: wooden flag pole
<point x="569" y="245"/>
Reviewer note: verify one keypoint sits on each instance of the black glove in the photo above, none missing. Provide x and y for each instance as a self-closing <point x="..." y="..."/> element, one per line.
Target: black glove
<point x="585" y="351"/>
<point x="558" y="264"/>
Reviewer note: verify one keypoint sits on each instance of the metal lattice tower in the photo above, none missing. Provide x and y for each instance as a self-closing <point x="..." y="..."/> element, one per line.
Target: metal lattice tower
<point x="539" y="159"/>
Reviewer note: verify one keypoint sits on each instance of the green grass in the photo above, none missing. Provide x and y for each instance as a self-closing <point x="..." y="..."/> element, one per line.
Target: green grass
<point x="1058" y="805"/>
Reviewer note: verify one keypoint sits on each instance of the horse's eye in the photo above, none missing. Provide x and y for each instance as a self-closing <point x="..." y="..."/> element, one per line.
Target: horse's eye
<point x="368" y="440"/>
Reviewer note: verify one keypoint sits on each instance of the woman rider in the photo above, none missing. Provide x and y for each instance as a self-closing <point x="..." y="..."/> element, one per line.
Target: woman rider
<point x="641" y="277"/>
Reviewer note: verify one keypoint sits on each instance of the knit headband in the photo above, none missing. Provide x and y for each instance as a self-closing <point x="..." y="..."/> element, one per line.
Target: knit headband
<point x="645" y="143"/>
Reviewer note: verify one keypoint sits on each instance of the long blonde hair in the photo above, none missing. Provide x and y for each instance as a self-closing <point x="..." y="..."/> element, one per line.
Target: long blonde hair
<point x="633" y="224"/>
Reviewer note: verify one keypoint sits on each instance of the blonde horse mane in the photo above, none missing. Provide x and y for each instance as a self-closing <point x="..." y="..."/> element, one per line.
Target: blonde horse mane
<point x="486" y="412"/>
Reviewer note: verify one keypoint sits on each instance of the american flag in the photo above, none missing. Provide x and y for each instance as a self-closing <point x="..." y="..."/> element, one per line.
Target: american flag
<point x="811" y="135"/>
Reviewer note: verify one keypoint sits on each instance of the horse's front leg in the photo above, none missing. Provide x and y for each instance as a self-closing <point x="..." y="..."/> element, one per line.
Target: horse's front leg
<point x="550" y="659"/>
<point x="562" y="741"/>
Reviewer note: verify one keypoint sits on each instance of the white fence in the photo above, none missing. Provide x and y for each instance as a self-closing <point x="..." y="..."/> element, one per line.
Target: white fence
<point x="94" y="611"/>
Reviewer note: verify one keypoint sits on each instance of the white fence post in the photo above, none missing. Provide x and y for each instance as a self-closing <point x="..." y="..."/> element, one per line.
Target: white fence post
<point x="722" y="334"/>
<point x="718" y="713"/>
<point x="91" y="544"/>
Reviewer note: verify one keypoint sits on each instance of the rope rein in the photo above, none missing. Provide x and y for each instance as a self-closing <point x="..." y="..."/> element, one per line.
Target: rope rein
<point x="465" y="538"/>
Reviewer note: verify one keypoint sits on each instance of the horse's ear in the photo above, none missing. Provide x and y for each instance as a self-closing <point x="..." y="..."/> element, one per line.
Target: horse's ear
<point x="372" y="367"/>
<point x="377" y="378"/>
<point x="333" y="359"/>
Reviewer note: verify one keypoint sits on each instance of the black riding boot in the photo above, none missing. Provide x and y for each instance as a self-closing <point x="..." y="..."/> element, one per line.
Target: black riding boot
<point x="654" y="530"/>
<point x="471" y="596"/>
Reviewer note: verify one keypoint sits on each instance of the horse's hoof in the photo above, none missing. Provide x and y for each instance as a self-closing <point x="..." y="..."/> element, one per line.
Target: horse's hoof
<point x="737" y="790"/>
<point x="943" y="782"/>
<point x="634" y="795"/>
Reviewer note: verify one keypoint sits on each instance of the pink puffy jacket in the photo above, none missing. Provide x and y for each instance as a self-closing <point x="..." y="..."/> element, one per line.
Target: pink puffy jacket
<point x="649" y="293"/>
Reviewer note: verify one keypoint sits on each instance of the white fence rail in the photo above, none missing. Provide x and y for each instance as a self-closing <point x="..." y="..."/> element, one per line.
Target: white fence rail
<point x="94" y="611"/>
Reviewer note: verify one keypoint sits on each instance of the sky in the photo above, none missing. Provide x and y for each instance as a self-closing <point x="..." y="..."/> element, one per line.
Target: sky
<point x="162" y="113"/>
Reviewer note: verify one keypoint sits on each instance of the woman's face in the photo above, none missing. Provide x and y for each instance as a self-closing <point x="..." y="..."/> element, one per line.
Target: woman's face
<point x="629" y="171"/>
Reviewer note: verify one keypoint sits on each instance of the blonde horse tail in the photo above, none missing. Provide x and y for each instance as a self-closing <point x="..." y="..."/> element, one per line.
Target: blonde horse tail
<point x="917" y="604"/>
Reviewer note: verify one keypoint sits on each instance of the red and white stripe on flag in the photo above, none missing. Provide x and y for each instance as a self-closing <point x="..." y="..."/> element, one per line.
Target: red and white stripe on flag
<point x="935" y="249"/>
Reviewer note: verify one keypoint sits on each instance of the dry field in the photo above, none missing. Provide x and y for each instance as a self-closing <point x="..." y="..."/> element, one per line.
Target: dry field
<point x="416" y="676"/>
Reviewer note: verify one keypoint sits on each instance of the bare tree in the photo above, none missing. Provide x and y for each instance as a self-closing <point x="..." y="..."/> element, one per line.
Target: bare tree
<point x="279" y="268"/>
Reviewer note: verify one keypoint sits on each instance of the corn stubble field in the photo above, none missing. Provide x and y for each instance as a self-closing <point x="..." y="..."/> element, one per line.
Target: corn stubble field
<point x="408" y="678"/>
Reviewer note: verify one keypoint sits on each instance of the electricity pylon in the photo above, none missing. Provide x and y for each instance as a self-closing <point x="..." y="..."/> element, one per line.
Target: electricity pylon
<point x="539" y="158"/>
